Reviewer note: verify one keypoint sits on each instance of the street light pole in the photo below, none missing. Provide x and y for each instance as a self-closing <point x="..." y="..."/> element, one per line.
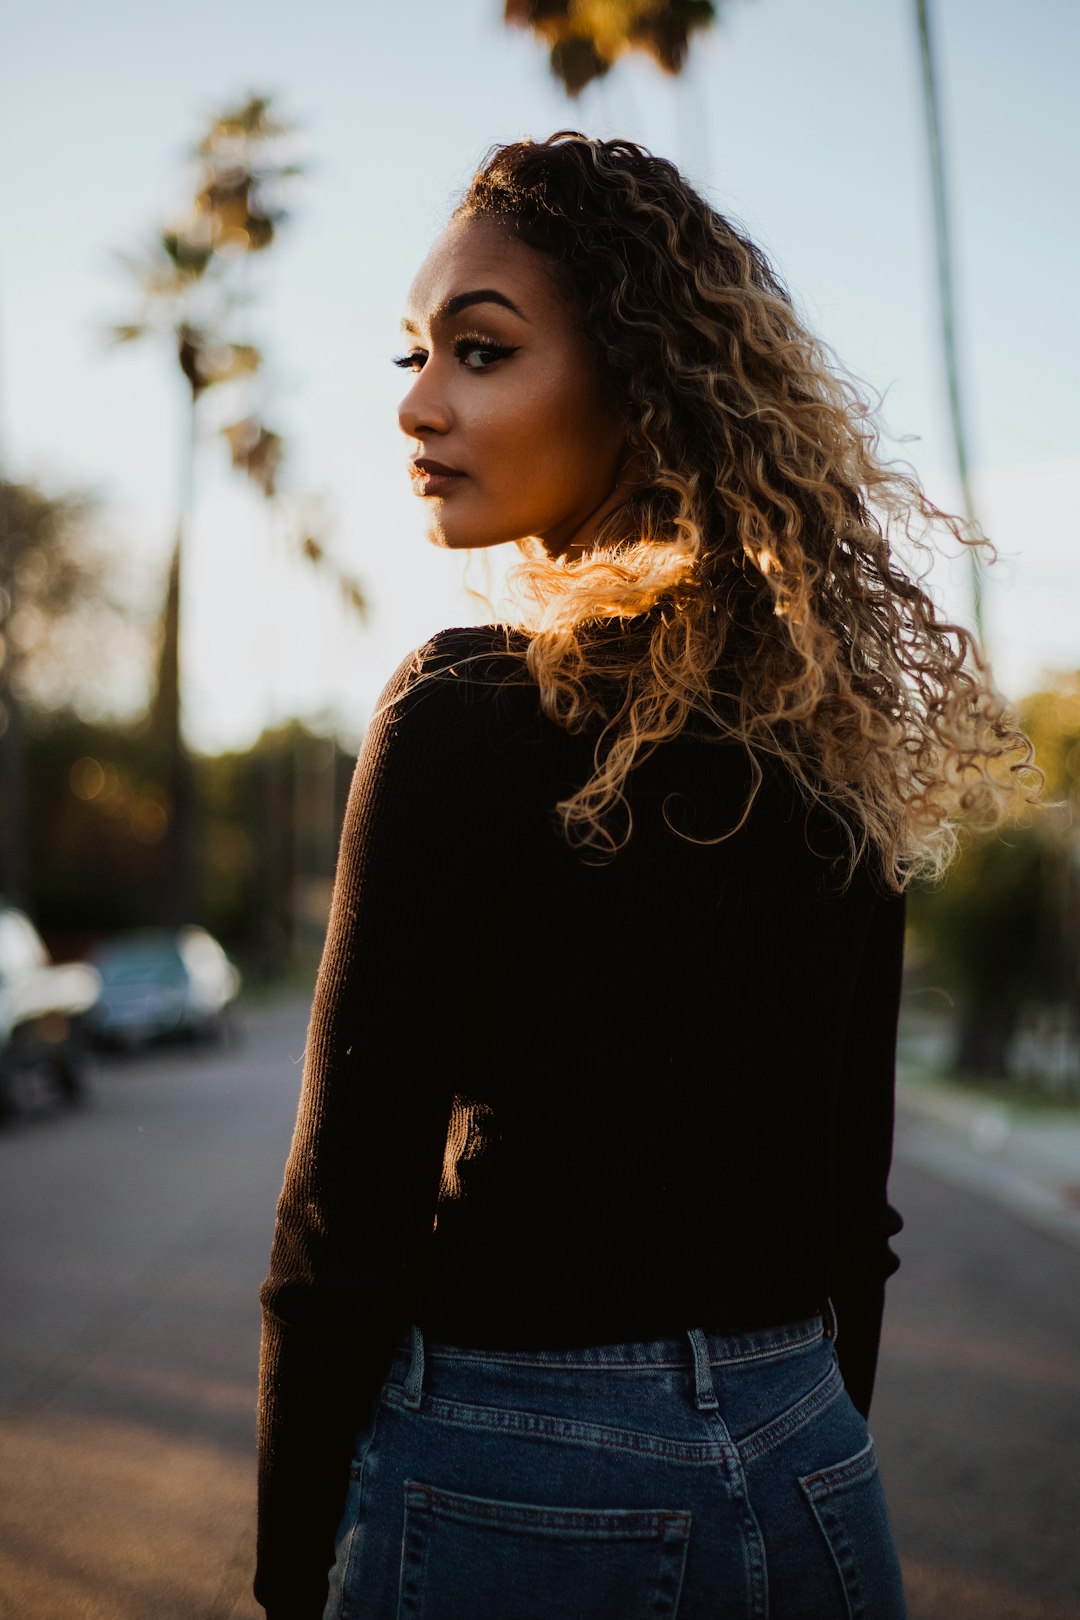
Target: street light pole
<point x="945" y="297"/>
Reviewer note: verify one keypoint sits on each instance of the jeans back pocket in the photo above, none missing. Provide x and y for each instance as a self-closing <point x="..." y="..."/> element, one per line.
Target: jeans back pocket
<point x="470" y="1555"/>
<point x="848" y="1503"/>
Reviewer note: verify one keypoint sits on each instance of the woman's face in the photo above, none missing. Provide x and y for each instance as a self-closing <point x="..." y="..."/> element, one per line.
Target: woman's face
<point x="505" y="393"/>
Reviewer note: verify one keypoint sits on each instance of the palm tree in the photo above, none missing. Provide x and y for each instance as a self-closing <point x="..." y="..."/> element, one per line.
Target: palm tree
<point x="187" y="284"/>
<point x="585" y="37"/>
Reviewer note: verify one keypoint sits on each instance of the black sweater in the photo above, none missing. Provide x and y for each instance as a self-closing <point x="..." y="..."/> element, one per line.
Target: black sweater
<point x="550" y="1102"/>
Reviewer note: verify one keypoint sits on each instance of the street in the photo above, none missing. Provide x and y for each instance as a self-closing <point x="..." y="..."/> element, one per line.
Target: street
<point x="136" y="1233"/>
<point x="976" y="1412"/>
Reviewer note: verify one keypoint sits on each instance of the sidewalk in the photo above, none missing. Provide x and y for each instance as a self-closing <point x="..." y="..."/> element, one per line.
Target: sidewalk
<point x="1023" y="1157"/>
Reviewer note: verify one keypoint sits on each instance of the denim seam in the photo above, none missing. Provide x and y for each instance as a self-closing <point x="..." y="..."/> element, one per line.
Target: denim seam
<point x="597" y="1436"/>
<point x="760" y="1441"/>
<point x="619" y="1524"/>
<point x="848" y="1472"/>
<point x="358" y="1527"/>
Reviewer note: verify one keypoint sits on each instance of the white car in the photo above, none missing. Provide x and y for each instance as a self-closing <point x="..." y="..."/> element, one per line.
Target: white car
<point x="42" y="1008"/>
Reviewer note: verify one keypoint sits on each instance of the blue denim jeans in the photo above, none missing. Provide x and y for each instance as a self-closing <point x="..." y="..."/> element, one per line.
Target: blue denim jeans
<point x="702" y="1477"/>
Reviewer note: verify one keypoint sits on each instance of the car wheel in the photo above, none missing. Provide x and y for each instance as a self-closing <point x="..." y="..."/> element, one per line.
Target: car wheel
<point x="70" y="1065"/>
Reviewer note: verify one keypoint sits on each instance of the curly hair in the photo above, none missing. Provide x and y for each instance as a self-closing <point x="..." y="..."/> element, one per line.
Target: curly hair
<point x="751" y="568"/>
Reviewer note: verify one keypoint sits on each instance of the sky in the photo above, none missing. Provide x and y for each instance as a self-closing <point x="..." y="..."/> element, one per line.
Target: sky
<point x="803" y="122"/>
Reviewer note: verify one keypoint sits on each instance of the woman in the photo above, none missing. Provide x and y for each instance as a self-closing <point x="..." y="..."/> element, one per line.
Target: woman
<point x="577" y="1285"/>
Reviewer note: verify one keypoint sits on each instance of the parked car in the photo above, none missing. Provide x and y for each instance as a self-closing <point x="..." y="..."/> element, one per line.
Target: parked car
<point x="42" y="1012"/>
<point x="158" y="983"/>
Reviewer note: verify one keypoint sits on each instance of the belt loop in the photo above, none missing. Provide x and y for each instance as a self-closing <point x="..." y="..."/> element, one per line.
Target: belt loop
<point x="829" y="1318"/>
<point x="414" y="1380"/>
<point x="704" y="1393"/>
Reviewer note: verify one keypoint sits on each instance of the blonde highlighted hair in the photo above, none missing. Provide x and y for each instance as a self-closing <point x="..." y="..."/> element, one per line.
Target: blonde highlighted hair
<point x="753" y="563"/>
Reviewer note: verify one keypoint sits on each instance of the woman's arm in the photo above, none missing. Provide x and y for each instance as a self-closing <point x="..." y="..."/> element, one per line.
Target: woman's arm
<point x="359" y="1197"/>
<point x="863" y="1141"/>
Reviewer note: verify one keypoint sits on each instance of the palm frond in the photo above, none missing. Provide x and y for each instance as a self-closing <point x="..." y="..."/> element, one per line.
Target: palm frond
<point x="586" y="37"/>
<point x="223" y="362"/>
<point x="252" y="120"/>
<point x="190" y="256"/>
<point x="257" y="451"/>
<point x="125" y="332"/>
<point x="353" y="594"/>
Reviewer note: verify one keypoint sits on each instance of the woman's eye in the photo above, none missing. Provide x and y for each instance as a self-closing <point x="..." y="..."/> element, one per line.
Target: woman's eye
<point x="491" y="351"/>
<point x="463" y="349"/>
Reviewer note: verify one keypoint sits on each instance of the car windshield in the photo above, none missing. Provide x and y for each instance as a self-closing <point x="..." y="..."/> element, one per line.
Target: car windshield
<point x="142" y="965"/>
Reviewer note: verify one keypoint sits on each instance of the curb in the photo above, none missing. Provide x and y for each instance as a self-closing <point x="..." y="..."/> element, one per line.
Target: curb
<point x="1028" y="1162"/>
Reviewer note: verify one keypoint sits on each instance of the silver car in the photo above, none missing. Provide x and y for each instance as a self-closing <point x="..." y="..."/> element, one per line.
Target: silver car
<point x="157" y="983"/>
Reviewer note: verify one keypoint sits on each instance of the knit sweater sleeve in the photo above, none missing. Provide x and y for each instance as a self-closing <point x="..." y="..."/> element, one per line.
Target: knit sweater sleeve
<point x="360" y="1189"/>
<point x="863" y="1142"/>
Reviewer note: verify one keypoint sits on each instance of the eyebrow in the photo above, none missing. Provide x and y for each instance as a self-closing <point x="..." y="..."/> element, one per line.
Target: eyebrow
<point x="464" y="300"/>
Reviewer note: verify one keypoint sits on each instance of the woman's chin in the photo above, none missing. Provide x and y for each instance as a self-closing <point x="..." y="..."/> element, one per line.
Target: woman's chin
<point x="461" y="537"/>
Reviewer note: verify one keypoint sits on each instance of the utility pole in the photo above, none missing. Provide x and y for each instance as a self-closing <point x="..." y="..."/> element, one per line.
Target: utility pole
<point x="946" y="302"/>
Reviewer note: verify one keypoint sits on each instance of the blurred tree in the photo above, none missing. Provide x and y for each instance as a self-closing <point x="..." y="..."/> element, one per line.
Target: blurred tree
<point x="981" y="935"/>
<point x="189" y="295"/>
<point x="64" y="630"/>
<point x="586" y="37"/>
<point x="96" y="825"/>
<point x="269" y="820"/>
<point x="273" y="814"/>
<point x="1002" y="934"/>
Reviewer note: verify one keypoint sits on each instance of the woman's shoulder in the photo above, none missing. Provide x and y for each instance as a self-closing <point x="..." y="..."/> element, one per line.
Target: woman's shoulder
<point x="462" y="651"/>
<point x="458" y="667"/>
<point x="464" y="647"/>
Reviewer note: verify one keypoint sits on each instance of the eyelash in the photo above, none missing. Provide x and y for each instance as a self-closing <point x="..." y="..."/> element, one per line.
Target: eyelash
<point x="462" y="346"/>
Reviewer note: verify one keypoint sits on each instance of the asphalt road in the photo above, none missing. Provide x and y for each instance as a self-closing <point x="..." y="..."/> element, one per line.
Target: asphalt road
<point x="976" y="1413"/>
<point x="135" y="1235"/>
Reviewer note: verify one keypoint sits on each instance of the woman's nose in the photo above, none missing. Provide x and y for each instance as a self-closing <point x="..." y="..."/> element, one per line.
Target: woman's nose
<point x="422" y="411"/>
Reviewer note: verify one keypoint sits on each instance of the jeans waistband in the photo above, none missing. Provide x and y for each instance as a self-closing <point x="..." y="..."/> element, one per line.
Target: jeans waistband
<point x="749" y="1345"/>
<point x="694" y="1347"/>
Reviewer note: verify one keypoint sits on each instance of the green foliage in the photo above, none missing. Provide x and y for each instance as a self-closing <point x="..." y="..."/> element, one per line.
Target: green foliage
<point x="1001" y="934"/>
<point x="64" y="618"/>
<point x="97" y="812"/>
<point x="269" y="820"/>
<point x="981" y="928"/>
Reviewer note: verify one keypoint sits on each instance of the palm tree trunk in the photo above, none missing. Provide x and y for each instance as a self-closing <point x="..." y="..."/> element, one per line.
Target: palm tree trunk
<point x="176" y="897"/>
<point x="12" y="765"/>
<point x="945" y="297"/>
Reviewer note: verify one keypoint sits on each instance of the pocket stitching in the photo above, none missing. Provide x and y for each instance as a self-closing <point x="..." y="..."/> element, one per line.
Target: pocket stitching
<point x="819" y="1488"/>
<point x="665" y="1524"/>
<point x="669" y="1535"/>
<point x="823" y="1481"/>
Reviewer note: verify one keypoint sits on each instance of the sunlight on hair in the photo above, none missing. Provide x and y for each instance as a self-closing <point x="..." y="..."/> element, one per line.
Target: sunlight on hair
<point x="765" y="566"/>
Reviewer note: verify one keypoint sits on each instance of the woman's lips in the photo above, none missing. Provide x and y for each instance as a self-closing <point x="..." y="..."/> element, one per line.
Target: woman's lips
<point x="431" y="477"/>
